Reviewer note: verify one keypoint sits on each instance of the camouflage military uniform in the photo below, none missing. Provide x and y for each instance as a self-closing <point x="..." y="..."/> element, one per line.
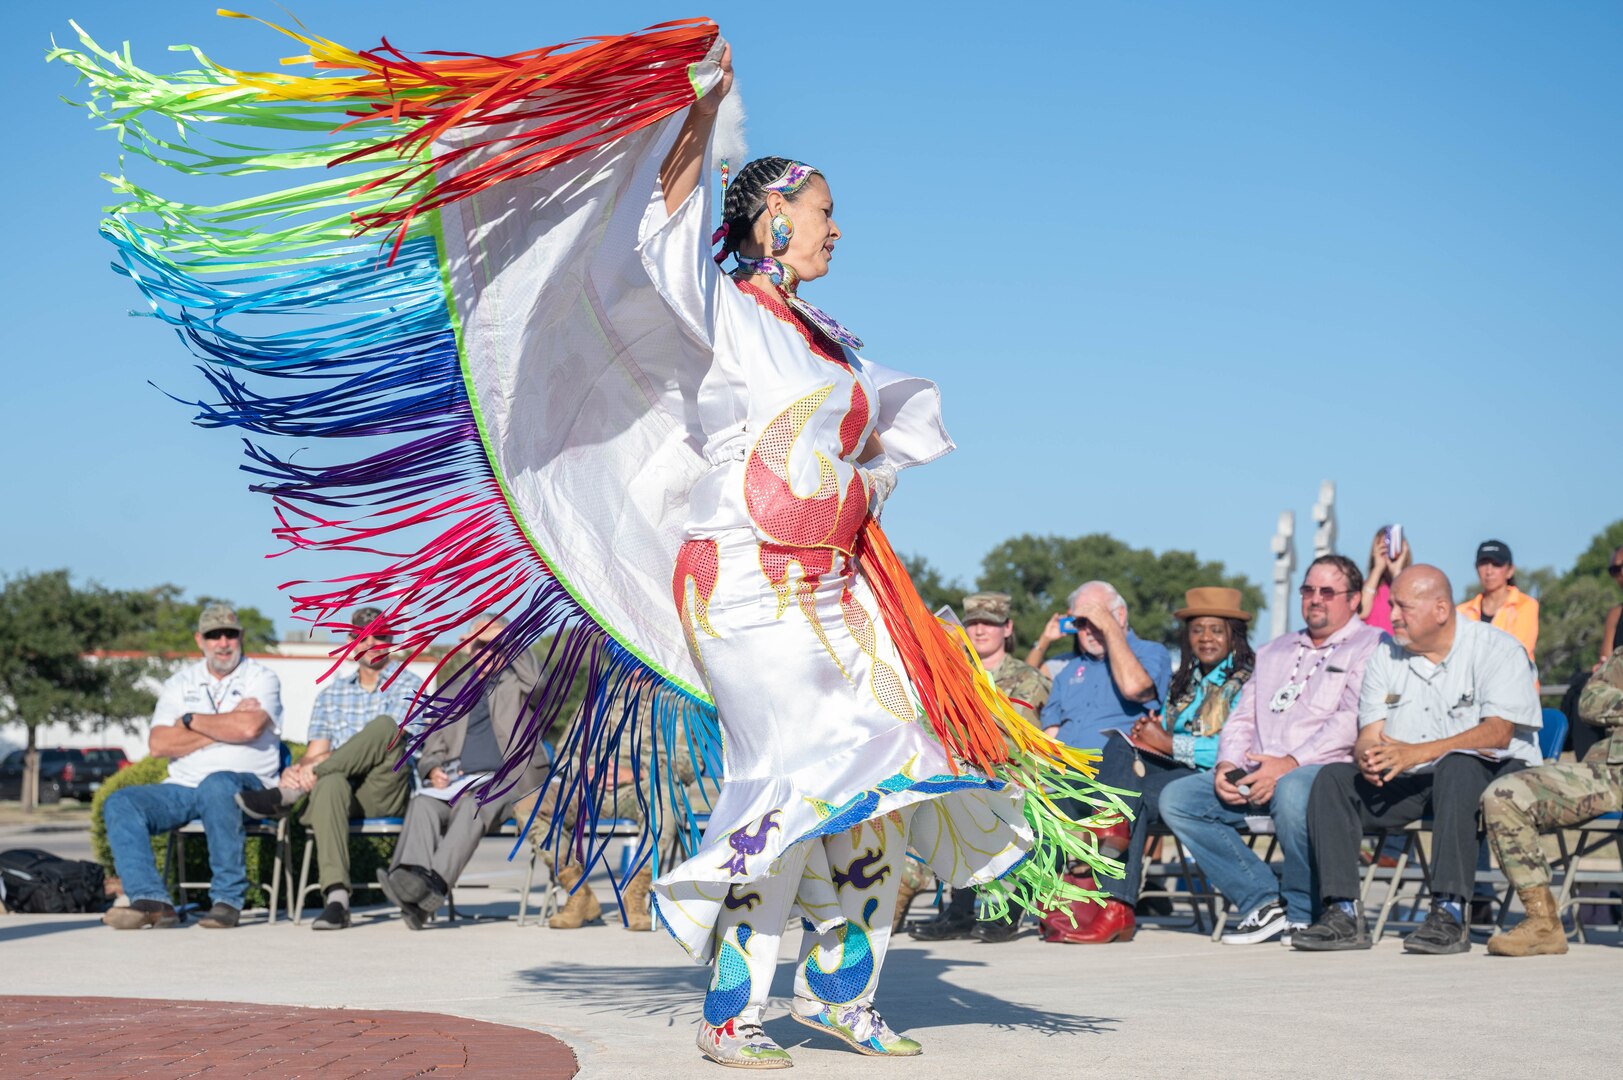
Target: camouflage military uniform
<point x="1024" y="686"/>
<point x="1517" y="807"/>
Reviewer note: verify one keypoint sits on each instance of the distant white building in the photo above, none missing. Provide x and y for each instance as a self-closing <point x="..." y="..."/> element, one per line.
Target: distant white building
<point x="298" y="664"/>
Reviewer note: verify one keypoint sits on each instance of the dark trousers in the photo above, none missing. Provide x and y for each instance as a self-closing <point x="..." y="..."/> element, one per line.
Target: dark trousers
<point x="1344" y="806"/>
<point x="1116" y="770"/>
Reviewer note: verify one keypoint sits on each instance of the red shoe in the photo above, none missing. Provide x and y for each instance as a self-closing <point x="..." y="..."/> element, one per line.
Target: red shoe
<point x="1114" y="839"/>
<point x="1113" y="922"/>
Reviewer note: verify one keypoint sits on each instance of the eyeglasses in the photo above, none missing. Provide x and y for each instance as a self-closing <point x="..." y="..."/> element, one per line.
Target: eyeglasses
<point x="216" y="635"/>
<point x="1324" y="592"/>
<point x="1615" y="569"/>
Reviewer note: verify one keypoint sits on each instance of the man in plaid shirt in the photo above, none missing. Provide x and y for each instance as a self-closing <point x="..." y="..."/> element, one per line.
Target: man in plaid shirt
<point x="348" y="766"/>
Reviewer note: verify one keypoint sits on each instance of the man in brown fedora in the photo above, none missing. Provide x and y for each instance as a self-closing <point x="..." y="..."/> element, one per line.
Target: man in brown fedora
<point x="1298" y="713"/>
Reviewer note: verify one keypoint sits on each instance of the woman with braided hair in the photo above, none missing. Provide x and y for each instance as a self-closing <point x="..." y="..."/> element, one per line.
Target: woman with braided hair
<point x="826" y="764"/>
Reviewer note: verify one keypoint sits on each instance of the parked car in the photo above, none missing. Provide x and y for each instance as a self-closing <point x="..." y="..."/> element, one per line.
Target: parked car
<point x="63" y="773"/>
<point x="100" y="763"/>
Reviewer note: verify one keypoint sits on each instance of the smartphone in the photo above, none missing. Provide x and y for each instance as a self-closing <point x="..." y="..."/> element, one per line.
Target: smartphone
<point x="1394" y="540"/>
<point x="1234" y="776"/>
<point x="1067" y="624"/>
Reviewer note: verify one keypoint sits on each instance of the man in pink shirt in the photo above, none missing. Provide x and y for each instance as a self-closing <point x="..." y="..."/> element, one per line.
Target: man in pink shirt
<point x="1299" y="712"/>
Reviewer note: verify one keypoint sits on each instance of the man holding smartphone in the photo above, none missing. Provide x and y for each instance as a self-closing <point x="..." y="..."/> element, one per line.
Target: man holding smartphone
<point x="1298" y="713"/>
<point x="1115" y="677"/>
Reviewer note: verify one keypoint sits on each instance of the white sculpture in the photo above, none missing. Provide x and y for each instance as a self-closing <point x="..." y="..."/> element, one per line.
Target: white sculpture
<point x="1284" y="548"/>
<point x="1324" y="512"/>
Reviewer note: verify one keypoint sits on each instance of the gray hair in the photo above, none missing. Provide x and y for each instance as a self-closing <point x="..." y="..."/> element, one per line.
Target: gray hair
<point x="1116" y="604"/>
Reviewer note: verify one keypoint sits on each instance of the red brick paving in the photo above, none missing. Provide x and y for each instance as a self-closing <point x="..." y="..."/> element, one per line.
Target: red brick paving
<point x="85" y="1038"/>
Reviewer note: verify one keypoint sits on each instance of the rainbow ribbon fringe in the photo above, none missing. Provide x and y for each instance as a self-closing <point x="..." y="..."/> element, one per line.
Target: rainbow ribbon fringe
<point x="367" y="348"/>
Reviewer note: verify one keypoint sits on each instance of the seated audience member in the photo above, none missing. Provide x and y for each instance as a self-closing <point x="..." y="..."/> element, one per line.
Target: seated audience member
<point x="1584" y="733"/>
<point x="621" y="799"/>
<point x="1446" y="709"/>
<point x="1298" y="712"/>
<point x="989" y="624"/>
<point x="1375" y="598"/>
<point x="1115" y="678"/>
<point x="1516" y="808"/>
<point x="440" y="836"/>
<point x="1158" y="749"/>
<point x="217" y="722"/>
<point x="348" y="766"/>
<point x="1500" y="602"/>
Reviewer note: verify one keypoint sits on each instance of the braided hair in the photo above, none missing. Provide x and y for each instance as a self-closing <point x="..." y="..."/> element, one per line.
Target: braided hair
<point x="746" y="199"/>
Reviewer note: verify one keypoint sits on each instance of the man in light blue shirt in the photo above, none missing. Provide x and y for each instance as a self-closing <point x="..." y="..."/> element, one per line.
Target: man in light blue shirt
<point x="1115" y="678"/>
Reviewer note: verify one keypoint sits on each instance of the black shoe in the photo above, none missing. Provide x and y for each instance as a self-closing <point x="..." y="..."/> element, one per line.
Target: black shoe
<point x="264" y="804"/>
<point x="1154" y="906"/>
<point x="944" y="927"/>
<point x="221" y="916"/>
<point x="414" y="915"/>
<point x="1336" y="931"/>
<point x="1440" y="935"/>
<point x="334" y="916"/>
<point x="997" y="931"/>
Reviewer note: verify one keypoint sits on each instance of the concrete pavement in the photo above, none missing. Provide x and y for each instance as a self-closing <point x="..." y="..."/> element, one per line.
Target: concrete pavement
<point x="1168" y="1004"/>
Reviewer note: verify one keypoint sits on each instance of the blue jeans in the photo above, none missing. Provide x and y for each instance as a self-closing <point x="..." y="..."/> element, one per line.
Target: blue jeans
<point x="1206" y="826"/>
<point x="136" y="814"/>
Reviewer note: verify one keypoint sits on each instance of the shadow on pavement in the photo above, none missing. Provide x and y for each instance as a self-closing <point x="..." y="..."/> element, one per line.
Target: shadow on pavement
<point x="17" y="927"/>
<point x="914" y="993"/>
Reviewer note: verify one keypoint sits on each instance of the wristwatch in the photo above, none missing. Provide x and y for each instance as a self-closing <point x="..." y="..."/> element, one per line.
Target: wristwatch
<point x="186" y="721"/>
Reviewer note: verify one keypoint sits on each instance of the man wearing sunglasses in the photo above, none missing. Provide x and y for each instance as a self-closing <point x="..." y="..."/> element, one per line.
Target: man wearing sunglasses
<point x="348" y="767"/>
<point x="1297" y="714"/>
<point x="217" y="722"/>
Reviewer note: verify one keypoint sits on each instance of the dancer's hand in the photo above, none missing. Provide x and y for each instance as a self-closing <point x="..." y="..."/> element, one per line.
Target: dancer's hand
<point x="881" y="476"/>
<point x="711" y="101"/>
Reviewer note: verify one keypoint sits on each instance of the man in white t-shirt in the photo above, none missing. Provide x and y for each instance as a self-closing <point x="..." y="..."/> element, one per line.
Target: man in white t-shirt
<point x="218" y="721"/>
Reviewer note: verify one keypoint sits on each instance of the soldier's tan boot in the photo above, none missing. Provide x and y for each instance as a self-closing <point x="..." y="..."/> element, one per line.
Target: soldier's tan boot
<point x="635" y="899"/>
<point x="1540" y="934"/>
<point x="905" y="892"/>
<point x="581" y="907"/>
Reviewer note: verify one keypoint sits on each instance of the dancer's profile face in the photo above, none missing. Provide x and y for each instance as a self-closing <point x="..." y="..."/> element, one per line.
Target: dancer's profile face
<point x="812" y="212"/>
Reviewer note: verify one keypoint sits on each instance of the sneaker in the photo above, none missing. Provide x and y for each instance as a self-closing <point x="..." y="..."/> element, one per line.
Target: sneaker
<point x="142" y="914"/>
<point x="334" y="916"/>
<point x="858" y="1026"/>
<point x="1260" y="925"/>
<point x="1440" y="935"/>
<point x="741" y="1044"/>
<point x="1291" y="929"/>
<point x="263" y="804"/>
<point x="1336" y="931"/>
<point x="221" y="916"/>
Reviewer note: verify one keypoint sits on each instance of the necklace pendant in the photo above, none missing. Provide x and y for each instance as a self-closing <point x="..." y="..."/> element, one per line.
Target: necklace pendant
<point x="1285" y="697"/>
<point x="1138" y="766"/>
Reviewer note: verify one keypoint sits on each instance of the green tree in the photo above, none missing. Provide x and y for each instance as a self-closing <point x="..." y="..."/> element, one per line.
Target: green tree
<point x="172" y="620"/>
<point x="934" y="590"/>
<point x="1039" y="573"/>
<point x="1572" y="611"/>
<point x="49" y="629"/>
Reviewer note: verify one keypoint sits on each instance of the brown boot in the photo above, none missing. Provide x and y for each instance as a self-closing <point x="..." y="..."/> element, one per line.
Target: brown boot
<point x="1540" y="934"/>
<point x="581" y="907"/>
<point x="635" y="899"/>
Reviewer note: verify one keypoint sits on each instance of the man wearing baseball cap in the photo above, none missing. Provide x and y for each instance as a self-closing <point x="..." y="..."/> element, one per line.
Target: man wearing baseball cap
<point x="348" y="767"/>
<point x="1500" y="603"/>
<point x="217" y="722"/>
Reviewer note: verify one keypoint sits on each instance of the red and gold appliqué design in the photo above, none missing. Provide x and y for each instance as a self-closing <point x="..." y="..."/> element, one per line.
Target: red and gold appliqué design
<point x="815" y="564"/>
<point x="888" y="688"/>
<point x="698" y="561"/>
<point x="827" y="517"/>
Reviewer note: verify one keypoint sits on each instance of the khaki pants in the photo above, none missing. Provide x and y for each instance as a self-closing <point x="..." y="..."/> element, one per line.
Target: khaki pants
<point x="359" y="779"/>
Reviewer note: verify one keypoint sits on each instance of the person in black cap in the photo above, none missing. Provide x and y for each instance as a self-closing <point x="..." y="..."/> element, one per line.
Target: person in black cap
<point x="1500" y="603"/>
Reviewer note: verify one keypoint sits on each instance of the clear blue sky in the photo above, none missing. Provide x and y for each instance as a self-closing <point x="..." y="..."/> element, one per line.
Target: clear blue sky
<point x="1172" y="265"/>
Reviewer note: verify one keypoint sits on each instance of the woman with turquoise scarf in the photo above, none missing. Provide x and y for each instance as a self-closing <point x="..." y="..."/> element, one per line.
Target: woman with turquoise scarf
<point x="1161" y="747"/>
